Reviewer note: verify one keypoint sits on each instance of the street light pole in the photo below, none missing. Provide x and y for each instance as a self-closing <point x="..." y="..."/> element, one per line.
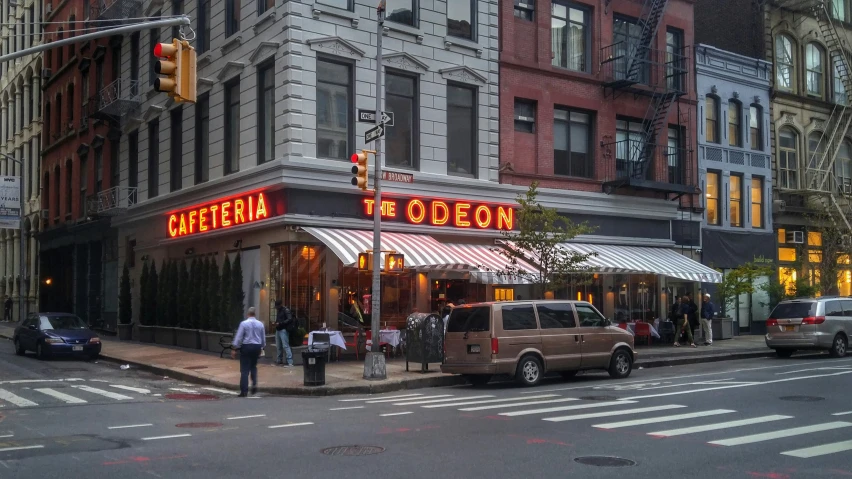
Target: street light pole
<point x="21" y="246"/>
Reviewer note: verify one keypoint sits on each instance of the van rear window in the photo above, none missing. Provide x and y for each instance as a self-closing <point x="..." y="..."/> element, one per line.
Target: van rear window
<point x="463" y="320"/>
<point x="794" y="310"/>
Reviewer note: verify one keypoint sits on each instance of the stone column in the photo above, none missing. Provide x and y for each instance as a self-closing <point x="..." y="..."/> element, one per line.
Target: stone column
<point x="37" y="95"/>
<point x="28" y="114"/>
<point x="19" y="105"/>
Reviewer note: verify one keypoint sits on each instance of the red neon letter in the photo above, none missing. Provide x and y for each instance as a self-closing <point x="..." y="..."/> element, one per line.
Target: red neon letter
<point x="239" y="217"/>
<point x="369" y="204"/>
<point x="182" y="227"/>
<point x="192" y="215"/>
<point x="172" y="229"/>
<point x="213" y="209"/>
<point x="201" y="218"/>
<point x="261" y="208"/>
<point x="440" y="213"/>
<point x="462" y="212"/>
<point x="251" y="208"/>
<point x="389" y="208"/>
<point x="421" y="211"/>
<point x="483" y="221"/>
<point x="505" y="218"/>
<point x="225" y="213"/>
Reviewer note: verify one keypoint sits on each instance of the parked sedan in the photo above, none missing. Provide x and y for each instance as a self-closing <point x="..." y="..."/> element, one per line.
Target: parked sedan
<point x="51" y="334"/>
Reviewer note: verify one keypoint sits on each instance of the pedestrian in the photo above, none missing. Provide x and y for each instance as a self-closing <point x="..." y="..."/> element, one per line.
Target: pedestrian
<point x="249" y="341"/>
<point x="284" y="325"/>
<point x="7" y="309"/>
<point x="693" y="312"/>
<point x="683" y="323"/>
<point x="708" y="311"/>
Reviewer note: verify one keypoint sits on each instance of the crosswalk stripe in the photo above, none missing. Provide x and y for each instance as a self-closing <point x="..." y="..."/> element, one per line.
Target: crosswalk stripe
<point x="768" y="436"/>
<point x="375" y="398"/>
<point x="820" y="450"/>
<point x="429" y="401"/>
<point x="61" y="396"/>
<point x="563" y="408"/>
<point x="223" y="391"/>
<point x="845" y="413"/>
<point x="375" y="401"/>
<point x="488" y="401"/>
<point x="653" y="420"/>
<point x="718" y="425"/>
<point x="15" y="399"/>
<point x="395" y="414"/>
<point x="615" y="412"/>
<point x="526" y="403"/>
<point x="109" y="394"/>
<point x="131" y="388"/>
<point x="291" y="425"/>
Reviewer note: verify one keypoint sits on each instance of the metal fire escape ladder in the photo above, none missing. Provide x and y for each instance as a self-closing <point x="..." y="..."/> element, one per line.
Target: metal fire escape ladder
<point x="652" y="15"/>
<point x="655" y="119"/>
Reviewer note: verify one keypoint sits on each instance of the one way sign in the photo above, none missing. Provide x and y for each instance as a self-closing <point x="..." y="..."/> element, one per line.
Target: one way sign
<point x="374" y="133"/>
<point x="369" y="116"/>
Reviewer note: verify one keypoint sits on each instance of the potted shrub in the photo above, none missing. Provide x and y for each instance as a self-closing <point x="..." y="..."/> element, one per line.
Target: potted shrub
<point x="125" y="306"/>
<point x="148" y="302"/>
<point x="297" y="340"/>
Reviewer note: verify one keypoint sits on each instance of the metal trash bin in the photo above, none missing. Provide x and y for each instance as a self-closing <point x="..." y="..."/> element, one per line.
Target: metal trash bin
<point x="313" y="362"/>
<point x="424" y="340"/>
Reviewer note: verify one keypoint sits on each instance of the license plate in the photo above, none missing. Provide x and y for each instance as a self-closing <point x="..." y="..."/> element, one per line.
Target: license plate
<point x="473" y="348"/>
<point x="76" y="348"/>
<point x="789" y="328"/>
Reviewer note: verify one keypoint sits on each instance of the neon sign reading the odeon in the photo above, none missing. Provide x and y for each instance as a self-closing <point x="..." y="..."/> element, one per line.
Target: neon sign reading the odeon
<point x="221" y="214"/>
<point x="460" y="214"/>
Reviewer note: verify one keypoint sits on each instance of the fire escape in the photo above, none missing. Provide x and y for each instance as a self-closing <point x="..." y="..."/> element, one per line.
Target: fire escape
<point x="633" y="66"/>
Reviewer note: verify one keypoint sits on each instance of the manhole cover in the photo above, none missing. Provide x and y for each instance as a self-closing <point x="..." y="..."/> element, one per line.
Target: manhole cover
<point x="353" y="450"/>
<point x="199" y="425"/>
<point x="604" y="461"/>
<point x="599" y="398"/>
<point x="191" y="397"/>
<point x="802" y="398"/>
<point x="195" y="367"/>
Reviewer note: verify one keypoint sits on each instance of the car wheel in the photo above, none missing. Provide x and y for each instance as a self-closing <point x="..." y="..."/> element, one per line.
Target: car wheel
<point x="41" y="353"/>
<point x="838" y="346"/>
<point x="529" y="371"/>
<point x="19" y="350"/>
<point x="478" y="380"/>
<point x="568" y="374"/>
<point x="621" y="364"/>
<point x="784" y="353"/>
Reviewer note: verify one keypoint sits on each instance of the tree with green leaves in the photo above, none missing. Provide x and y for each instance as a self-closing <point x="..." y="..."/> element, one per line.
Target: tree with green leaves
<point x="238" y="296"/>
<point x="154" y="302"/>
<point x="739" y="281"/>
<point x="125" y="300"/>
<point x="225" y="295"/>
<point x="163" y="294"/>
<point x="538" y="241"/>
<point x="144" y="296"/>
<point x="204" y="297"/>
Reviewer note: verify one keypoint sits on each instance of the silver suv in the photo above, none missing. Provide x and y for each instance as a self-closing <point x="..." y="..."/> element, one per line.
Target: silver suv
<point x="821" y="323"/>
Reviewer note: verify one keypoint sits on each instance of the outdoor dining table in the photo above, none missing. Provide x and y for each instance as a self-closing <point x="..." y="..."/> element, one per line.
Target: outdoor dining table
<point x="334" y="337"/>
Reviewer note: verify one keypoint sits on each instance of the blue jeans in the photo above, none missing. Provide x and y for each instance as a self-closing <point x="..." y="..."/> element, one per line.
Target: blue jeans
<point x="282" y="343"/>
<point x="249" y="353"/>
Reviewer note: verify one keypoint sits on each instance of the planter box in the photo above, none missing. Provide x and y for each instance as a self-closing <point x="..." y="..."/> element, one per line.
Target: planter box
<point x="188" y="338"/>
<point x="164" y="335"/>
<point x="723" y="328"/>
<point x="146" y="334"/>
<point x="125" y="332"/>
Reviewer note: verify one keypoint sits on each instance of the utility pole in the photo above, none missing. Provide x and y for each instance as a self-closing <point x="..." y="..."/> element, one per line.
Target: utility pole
<point x="22" y="241"/>
<point x="374" y="364"/>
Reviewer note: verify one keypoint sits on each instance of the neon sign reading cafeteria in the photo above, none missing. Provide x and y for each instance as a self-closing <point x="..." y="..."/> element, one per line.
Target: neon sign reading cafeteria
<point x="219" y="215"/>
<point x="460" y="214"/>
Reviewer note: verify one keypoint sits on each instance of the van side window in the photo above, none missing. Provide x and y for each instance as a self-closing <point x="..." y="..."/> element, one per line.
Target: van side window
<point x="556" y="316"/>
<point x="847" y="308"/>
<point x="463" y="320"/>
<point x="589" y="316"/>
<point x="833" y="308"/>
<point x="518" y="317"/>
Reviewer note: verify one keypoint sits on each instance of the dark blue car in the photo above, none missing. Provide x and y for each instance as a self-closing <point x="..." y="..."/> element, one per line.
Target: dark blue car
<point x="58" y="334"/>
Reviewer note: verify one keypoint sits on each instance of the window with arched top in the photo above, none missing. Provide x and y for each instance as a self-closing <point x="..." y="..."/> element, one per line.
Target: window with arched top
<point x="788" y="158"/>
<point x="70" y="101"/>
<point x="815" y="68"/>
<point x="755" y="127"/>
<point x="785" y="69"/>
<point x="837" y="68"/>
<point x="711" y="119"/>
<point x="735" y="123"/>
<point x="843" y="167"/>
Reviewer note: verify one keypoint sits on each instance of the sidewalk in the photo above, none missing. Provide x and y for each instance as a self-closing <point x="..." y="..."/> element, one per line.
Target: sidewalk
<point x="345" y="377"/>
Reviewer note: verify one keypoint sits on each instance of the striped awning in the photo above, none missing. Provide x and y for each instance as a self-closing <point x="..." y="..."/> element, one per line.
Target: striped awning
<point x="644" y="260"/>
<point x="491" y="264"/>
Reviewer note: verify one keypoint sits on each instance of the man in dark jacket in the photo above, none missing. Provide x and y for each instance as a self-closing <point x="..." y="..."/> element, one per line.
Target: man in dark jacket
<point x="683" y="325"/>
<point x="708" y="311"/>
<point x="284" y="323"/>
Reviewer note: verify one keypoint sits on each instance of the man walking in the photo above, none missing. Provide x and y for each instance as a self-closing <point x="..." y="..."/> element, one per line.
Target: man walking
<point x="683" y="323"/>
<point x="250" y="341"/>
<point x="708" y="311"/>
<point x="283" y="325"/>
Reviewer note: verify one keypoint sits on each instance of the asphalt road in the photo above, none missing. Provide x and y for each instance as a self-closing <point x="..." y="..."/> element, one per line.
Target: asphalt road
<point x="762" y="418"/>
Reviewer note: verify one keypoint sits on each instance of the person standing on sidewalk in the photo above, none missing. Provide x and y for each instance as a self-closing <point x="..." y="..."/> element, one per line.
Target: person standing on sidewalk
<point x="7" y="309"/>
<point x="250" y="341"/>
<point x="683" y="323"/>
<point x="708" y="311"/>
<point x="284" y="323"/>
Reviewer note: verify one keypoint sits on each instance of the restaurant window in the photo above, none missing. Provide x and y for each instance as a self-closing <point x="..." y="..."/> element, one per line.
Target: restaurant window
<point x="712" y="198"/>
<point x="814" y="64"/>
<point x="736" y="206"/>
<point x="296" y="277"/>
<point x="755" y="123"/>
<point x="516" y="318"/>
<point x="635" y="298"/>
<point x="397" y="294"/>
<point x="556" y="315"/>
<point x="735" y="136"/>
<point x="402" y="11"/>
<point x="711" y="119"/>
<point x="334" y="104"/>
<point x="525" y="115"/>
<point x="788" y="163"/>
<point x="756" y="202"/>
<point x="782" y="236"/>
<point x="461" y="130"/>
<point x="571" y="143"/>
<point x="461" y="18"/>
<point x="569" y="33"/>
<point x="266" y="111"/>
<point x="784" y="62"/>
<point x="232" y="130"/>
<point x="525" y="9"/>
<point x="504" y="294"/>
<point x="401" y="99"/>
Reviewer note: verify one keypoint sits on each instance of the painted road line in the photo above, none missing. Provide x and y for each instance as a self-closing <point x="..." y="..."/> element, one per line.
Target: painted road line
<point x="717" y="426"/>
<point x="346" y="408"/>
<point x="845" y="413"/>
<point x="129" y="426"/>
<point x="165" y="437"/>
<point x="395" y="414"/>
<point x="19" y="448"/>
<point x="527" y="403"/>
<point x="430" y="401"/>
<point x="246" y="417"/>
<point x="471" y="403"/>
<point x="131" y="388"/>
<point x="564" y="408"/>
<point x="768" y="436"/>
<point x="111" y="395"/>
<point x="376" y="401"/>
<point x="223" y="391"/>
<point x="820" y="450"/>
<point x="292" y="425"/>
<point x="61" y="396"/>
<point x="653" y="420"/>
<point x="26" y="381"/>
<point x="6" y="435"/>
<point x="380" y="397"/>
<point x="184" y="390"/>
<point x="616" y="412"/>
<point x="15" y="399"/>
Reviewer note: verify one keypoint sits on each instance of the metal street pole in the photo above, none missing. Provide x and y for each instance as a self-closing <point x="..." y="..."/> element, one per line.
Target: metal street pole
<point x="21" y="246"/>
<point x="374" y="365"/>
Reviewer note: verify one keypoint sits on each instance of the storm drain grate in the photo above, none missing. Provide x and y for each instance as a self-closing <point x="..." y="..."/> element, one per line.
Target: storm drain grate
<point x="353" y="450"/>
<point x="195" y="367"/>
<point x="199" y="425"/>
<point x="191" y="397"/>
<point x="604" y="461"/>
<point x="599" y="398"/>
<point x="802" y="398"/>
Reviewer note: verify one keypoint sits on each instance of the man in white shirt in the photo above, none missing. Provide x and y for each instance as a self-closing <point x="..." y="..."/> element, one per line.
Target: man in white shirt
<point x="250" y="340"/>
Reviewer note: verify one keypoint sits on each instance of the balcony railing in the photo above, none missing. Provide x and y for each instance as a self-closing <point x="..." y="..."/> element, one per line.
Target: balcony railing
<point x="659" y="70"/>
<point x="116" y="99"/>
<point x="111" y="202"/>
<point x="116" y="9"/>
<point x="628" y="167"/>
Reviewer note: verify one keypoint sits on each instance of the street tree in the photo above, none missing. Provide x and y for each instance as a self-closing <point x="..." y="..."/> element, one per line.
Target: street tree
<point x="739" y="281"/>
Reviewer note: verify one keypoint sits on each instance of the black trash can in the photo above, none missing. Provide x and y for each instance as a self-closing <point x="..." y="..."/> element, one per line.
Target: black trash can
<point x="314" y="366"/>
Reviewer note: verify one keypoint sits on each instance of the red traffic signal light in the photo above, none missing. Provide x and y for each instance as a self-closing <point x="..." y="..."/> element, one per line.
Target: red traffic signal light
<point x="360" y="169"/>
<point x="176" y="60"/>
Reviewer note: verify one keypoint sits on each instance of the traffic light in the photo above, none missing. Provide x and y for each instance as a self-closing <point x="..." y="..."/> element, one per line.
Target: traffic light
<point x="177" y="63"/>
<point x="365" y="261"/>
<point x="394" y="262"/>
<point x="360" y="169"/>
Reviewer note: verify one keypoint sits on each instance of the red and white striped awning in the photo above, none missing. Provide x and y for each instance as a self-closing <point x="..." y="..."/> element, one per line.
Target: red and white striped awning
<point x="643" y="260"/>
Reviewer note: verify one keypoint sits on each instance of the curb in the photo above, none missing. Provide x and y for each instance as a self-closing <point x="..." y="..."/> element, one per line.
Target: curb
<point x="667" y="362"/>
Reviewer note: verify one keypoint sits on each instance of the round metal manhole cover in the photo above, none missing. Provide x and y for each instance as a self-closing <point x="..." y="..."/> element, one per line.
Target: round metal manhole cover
<point x="802" y="398"/>
<point x="353" y="450"/>
<point x="191" y="397"/>
<point x="604" y="461"/>
<point x="199" y="425"/>
<point x="598" y="398"/>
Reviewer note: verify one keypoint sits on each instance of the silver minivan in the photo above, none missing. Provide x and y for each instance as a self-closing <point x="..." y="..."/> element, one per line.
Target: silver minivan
<point x="807" y="324"/>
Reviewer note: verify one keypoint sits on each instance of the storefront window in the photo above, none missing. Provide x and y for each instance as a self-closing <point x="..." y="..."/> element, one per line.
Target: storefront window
<point x="787" y="277"/>
<point x="456" y="290"/>
<point x="296" y="277"/>
<point x="504" y="294"/>
<point x="786" y="254"/>
<point x="814" y="238"/>
<point x="635" y="297"/>
<point x="397" y="295"/>
<point x="844" y="283"/>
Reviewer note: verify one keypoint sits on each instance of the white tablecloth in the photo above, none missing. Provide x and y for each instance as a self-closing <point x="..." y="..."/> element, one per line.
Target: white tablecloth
<point x="390" y="336"/>
<point x="335" y="338"/>
<point x="632" y="326"/>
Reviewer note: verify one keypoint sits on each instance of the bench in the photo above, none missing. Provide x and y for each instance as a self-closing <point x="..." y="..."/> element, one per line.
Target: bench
<point x="225" y="343"/>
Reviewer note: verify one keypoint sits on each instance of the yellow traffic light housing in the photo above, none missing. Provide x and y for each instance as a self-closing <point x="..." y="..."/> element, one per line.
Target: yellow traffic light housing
<point x="394" y="262"/>
<point x="365" y="261"/>
<point x="177" y="63"/>
<point x="360" y="169"/>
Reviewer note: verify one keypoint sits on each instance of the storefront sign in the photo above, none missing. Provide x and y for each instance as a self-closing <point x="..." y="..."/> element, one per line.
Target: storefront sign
<point x="221" y="214"/>
<point x="432" y="212"/>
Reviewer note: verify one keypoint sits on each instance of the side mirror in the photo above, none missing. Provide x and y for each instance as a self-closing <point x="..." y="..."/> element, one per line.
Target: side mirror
<point x="34" y="327"/>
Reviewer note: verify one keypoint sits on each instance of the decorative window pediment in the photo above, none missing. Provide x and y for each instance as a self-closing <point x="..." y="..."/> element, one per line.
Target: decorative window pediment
<point x="336" y="46"/>
<point x="264" y="51"/>
<point x="231" y="69"/>
<point x="464" y="75"/>
<point x="404" y="61"/>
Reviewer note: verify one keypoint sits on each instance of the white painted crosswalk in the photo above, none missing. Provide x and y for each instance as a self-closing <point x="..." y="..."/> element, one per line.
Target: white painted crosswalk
<point x="39" y="393"/>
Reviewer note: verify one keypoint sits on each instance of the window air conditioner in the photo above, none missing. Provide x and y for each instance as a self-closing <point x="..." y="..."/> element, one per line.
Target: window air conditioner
<point x="796" y="237"/>
<point x="847" y="188"/>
